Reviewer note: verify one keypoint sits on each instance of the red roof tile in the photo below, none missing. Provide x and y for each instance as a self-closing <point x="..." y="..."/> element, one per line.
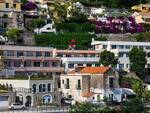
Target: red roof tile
<point x="91" y="70"/>
<point x="88" y="94"/>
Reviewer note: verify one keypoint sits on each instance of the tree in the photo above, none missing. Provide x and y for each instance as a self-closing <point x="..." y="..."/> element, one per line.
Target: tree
<point x="36" y="23"/>
<point x="138" y="61"/>
<point x="90" y="108"/>
<point x="13" y="34"/>
<point x="108" y="58"/>
<point x="134" y="106"/>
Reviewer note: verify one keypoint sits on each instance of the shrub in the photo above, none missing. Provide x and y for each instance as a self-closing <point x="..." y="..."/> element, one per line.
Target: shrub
<point x="75" y="27"/>
<point x="62" y="41"/>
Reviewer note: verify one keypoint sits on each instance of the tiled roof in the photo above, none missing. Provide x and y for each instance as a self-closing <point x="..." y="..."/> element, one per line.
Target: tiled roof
<point x="91" y="70"/>
<point x="88" y="94"/>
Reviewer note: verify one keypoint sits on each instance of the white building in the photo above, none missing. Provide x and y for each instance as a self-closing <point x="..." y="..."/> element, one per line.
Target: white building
<point x="33" y="92"/>
<point x="121" y="50"/>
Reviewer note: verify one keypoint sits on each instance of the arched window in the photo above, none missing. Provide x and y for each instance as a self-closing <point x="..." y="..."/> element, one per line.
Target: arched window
<point x="47" y="99"/>
<point x="34" y="88"/>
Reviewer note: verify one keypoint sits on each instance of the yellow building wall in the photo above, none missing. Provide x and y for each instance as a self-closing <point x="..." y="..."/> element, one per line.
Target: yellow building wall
<point x="11" y="5"/>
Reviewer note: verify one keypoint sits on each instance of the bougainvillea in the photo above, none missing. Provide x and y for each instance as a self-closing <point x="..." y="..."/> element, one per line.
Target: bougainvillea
<point x="117" y="25"/>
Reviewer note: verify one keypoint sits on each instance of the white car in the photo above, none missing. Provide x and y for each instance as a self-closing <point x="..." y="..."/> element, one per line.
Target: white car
<point x="16" y="106"/>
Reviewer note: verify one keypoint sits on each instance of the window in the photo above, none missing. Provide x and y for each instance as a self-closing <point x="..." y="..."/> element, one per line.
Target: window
<point x="28" y="63"/>
<point x="29" y="53"/>
<point x="8" y="63"/>
<point x="79" y="85"/>
<point x="36" y="64"/>
<point x="104" y="46"/>
<point x="49" y="87"/>
<point x="43" y="88"/>
<point x="97" y="65"/>
<point x="14" y="5"/>
<point x="89" y="65"/>
<point x="68" y="55"/>
<point x="127" y="65"/>
<point x="121" y="66"/>
<point x="111" y="82"/>
<point x="10" y="53"/>
<point x="147" y="47"/>
<point x="47" y="54"/>
<point x="121" y="46"/>
<point x="148" y="65"/>
<point x="80" y="64"/>
<point x="40" y="88"/>
<point x="127" y="47"/>
<point x="113" y="46"/>
<point x="62" y="81"/>
<point x="7" y="5"/>
<point x="67" y="84"/>
<point x="85" y="55"/>
<point x="54" y="64"/>
<point x="121" y="54"/>
<point x="45" y="64"/>
<point x="141" y="47"/>
<point x="38" y="54"/>
<point x="127" y="54"/>
<point x="148" y="54"/>
<point x="19" y="53"/>
<point x="59" y="55"/>
<point x="47" y="99"/>
<point x="70" y="65"/>
<point x="34" y="88"/>
<point x="17" y="63"/>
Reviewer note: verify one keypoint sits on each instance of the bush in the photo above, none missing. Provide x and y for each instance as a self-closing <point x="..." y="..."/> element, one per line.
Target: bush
<point x="75" y="27"/>
<point x="62" y="41"/>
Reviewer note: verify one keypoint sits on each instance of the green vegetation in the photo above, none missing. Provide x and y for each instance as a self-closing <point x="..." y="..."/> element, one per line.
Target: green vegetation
<point x="137" y="57"/>
<point x="90" y="108"/>
<point x="143" y="37"/>
<point x="108" y="58"/>
<point x="62" y="41"/>
<point x="113" y="3"/>
<point x="134" y="106"/>
<point x="35" y="23"/>
<point x="75" y="27"/>
<point x="14" y="34"/>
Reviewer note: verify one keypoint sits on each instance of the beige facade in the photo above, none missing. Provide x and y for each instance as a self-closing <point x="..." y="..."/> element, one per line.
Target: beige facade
<point x="34" y="92"/>
<point x="91" y="84"/>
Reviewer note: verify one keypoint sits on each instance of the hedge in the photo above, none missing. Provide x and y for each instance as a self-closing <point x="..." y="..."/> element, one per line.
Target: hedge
<point x="62" y="40"/>
<point x="75" y="27"/>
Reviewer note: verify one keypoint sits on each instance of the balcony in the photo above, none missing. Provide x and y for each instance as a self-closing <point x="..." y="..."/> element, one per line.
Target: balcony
<point x="39" y="69"/>
<point x="82" y="59"/>
<point x="31" y="58"/>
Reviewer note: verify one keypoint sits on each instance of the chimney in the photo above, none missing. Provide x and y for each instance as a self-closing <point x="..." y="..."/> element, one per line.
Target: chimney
<point x="78" y="68"/>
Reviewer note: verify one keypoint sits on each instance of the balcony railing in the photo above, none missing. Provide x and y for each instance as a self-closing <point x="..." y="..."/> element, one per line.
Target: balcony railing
<point x="39" y="69"/>
<point x="82" y="59"/>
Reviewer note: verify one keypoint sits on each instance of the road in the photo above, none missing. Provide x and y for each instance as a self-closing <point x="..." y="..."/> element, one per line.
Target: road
<point x="36" y="110"/>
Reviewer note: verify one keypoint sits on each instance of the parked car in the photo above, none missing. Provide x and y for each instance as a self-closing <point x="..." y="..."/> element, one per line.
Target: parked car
<point x="16" y="106"/>
<point x="67" y="101"/>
